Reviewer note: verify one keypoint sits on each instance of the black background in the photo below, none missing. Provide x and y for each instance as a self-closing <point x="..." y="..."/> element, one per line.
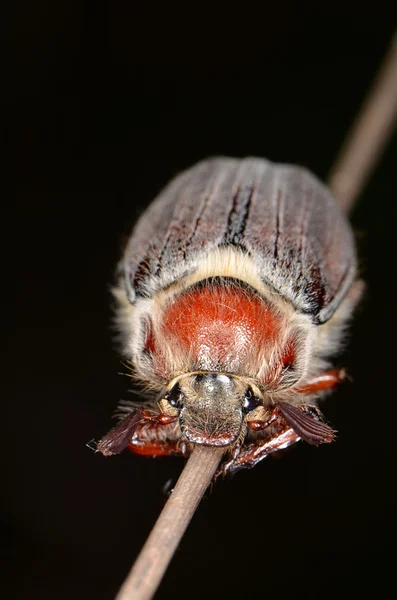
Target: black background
<point x="103" y="104"/>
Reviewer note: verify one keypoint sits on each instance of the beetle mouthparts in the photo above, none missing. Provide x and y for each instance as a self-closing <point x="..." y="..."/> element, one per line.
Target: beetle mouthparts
<point x="218" y="439"/>
<point x="197" y="429"/>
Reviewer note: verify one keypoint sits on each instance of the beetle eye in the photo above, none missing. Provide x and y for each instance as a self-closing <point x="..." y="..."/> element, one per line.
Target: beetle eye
<point x="174" y="397"/>
<point x="250" y="401"/>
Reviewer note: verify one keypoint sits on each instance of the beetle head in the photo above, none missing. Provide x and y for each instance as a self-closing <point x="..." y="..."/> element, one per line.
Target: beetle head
<point x="211" y="407"/>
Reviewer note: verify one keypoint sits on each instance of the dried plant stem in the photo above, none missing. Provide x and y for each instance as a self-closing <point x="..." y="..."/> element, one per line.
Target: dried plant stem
<point x="368" y="136"/>
<point x="150" y="566"/>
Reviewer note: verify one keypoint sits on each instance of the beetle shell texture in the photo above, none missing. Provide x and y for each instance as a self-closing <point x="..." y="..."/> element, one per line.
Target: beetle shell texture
<point x="233" y="293"/>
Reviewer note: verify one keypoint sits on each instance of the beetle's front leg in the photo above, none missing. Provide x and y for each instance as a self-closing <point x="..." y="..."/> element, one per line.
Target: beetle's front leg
<point x="292" y="423"/>
<point x="248" y="456"/>
<point x="160" y="436"/>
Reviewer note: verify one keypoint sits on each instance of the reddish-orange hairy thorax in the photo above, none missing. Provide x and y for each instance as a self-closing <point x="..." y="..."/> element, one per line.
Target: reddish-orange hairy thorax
<point x="221" y="327"/>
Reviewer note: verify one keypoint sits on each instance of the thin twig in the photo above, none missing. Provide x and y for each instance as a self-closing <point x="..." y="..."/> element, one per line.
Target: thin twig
<point x="369" y="134"/>
<point x="149" y="568"/>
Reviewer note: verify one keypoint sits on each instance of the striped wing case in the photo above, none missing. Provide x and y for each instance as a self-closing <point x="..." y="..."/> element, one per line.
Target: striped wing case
<point x="282" y="216"/>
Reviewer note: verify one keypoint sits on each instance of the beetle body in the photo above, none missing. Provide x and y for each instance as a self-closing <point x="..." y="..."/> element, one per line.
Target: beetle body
<point x="234" y="291"/>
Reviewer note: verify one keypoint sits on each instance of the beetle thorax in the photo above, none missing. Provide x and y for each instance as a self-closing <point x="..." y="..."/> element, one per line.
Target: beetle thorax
<point x="222" y="326"/>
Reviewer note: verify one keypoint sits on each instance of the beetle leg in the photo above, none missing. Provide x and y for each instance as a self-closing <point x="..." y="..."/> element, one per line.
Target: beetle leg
<point x="293" y="423"/>
<point x="248" y="456"/>
<point x="158" y="448"/>
<point x="158" y="436"/>
<point x="324" y="381"/>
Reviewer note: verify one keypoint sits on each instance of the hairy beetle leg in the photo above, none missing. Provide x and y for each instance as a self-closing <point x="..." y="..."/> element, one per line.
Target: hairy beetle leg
<point x="250" y="455"/>
<point x="158" y="448"/>
<point x="293" y="422"/>
<point x="324" y="381"/>
<point x="158" y="436"/>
